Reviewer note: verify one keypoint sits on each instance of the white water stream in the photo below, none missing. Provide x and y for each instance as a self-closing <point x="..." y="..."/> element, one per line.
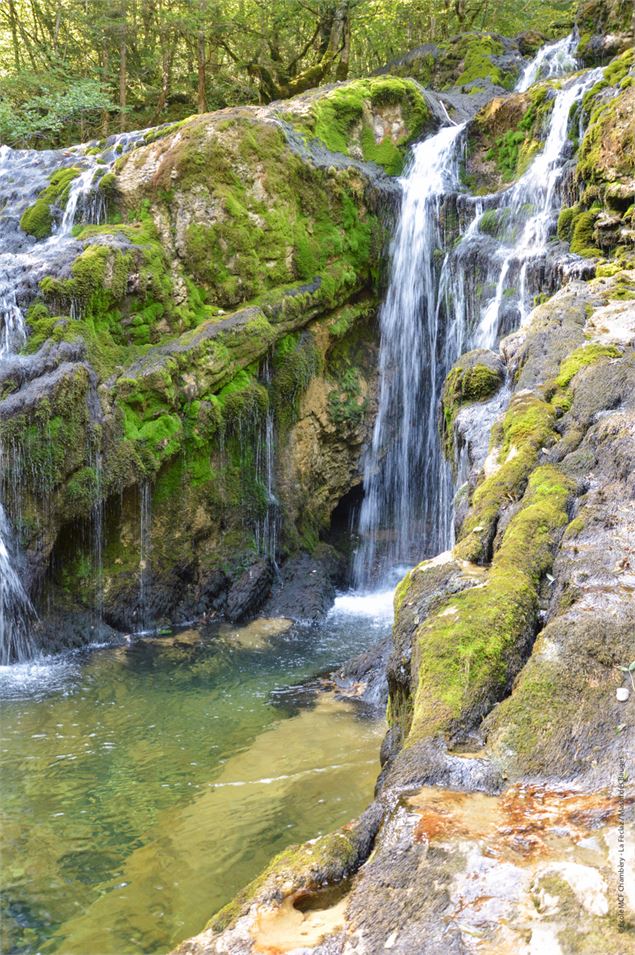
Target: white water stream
<point x="447" y="293"/>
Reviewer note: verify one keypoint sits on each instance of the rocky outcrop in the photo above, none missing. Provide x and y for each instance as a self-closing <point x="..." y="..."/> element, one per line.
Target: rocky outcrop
<point x="470" y="62"/>
<point x="209" y="351"/>
<point x="606" y="29"/>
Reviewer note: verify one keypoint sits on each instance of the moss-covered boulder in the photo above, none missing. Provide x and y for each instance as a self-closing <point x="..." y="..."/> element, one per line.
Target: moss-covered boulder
<point x="38" y="219"/>
<point x="374" y="119"/>
<point x="476" y="376"/>
<point x="605" y="29"/>
<point x="600" y="223"/>
<point x="232" y="284"/>
<point x="473" y="61"/>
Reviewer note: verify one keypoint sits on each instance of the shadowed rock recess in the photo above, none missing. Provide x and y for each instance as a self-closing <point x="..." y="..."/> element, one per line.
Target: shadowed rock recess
<point x="507" y="766"/>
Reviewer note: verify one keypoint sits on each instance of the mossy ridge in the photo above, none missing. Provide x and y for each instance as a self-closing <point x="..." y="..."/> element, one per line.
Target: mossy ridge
<point x="465" y="384"/>
<point x="467" y="651"/>
<point x="56" y="439"/>
<point x="462" y="60"/>
<point x="586" y="355"/>
<point x="478" y="63"/>
<point x="276" y="220"/>
<point x="601" y="17"/>
<point x="600" y="223"/>
<point x="469" y="648"/>
<point x="343" y="118"/>
<point x="330" y="858"/>
<point x="38" y="219"/>
<point x="558" y="695"/>
<point x="527" y="427"/>
<point x="116" y="325"/>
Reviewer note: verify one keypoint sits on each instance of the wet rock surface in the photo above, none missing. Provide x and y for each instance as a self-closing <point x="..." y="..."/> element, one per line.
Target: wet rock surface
<point x="250" y="591"/>
<point x="304" y="587"/>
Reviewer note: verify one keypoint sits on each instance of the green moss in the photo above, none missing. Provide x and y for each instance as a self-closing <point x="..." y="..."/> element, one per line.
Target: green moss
<point x="55" y="440"/>
<point x="528" y="427"/>
<point x="467" y="649"/>
<point x="581" y="358"/>
<point x="285" y="225"/>
<point x="296" y="361"/>
<point x="508" y="134"/>
<point x="402" y="591"/>
<point x="493" y="222"/>
<point x="107" y="185"/>
<point x="346" y="405"/>
<point x="465" y="384"/>
<point x="346" y="112"/>
<point x="565" y="223"/>
<point x="330" y="858"/>
<point x="37" y="220"/>
<point x="477" y="61"/>
<point x="582" y="238"/>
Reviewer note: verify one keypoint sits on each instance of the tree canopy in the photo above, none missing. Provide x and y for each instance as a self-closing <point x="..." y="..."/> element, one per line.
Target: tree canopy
<point x="74" y="69"/>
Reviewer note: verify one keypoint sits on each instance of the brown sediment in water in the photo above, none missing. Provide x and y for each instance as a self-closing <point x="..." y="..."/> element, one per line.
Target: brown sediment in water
<point x="299" y="921"/>
<point x="256" y="634"/>
<point x="524" y="821"/>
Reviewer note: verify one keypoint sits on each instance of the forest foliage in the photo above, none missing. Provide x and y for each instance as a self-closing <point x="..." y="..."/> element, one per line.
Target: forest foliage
<point x="76" y="69"/>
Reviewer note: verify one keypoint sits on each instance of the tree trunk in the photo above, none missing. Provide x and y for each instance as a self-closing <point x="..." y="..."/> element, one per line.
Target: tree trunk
<point x="14" y="35"/>
<point x="201" y="104"/>
<point x="123" y="75"/>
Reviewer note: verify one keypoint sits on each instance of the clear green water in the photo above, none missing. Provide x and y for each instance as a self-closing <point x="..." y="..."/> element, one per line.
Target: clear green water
<point x="142" y="786"/>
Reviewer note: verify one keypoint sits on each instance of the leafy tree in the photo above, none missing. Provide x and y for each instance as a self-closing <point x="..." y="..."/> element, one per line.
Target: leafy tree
<point x="72" y="69"/>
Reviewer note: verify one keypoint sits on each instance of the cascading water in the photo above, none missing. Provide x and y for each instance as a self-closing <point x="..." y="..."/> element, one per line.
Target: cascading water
<point x="552" y="60"/>
<point x="24" y="261"/>
<point x="267" y="526"/>
<point x="522" y="219"/>
<point x="482" y="288"/>
<point x="404" y="485"/>
<point x="16" y="611"/>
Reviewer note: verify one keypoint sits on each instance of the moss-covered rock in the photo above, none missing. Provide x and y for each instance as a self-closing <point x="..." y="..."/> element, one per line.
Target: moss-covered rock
<point x="470" y="60"/>
<point x="374" y="119"/>
<point x="601" y="223"/>
<point x="468" y="651"/>
<point x="605" y="29"/>
<point x="477" y="376"/>
<point x="230" y="249"/>
<point x="505" y="136"/>
<point x="38" y="219"/>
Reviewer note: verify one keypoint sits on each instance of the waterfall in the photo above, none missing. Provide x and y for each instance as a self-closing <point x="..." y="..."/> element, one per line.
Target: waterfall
<point x="16" y="611"/>
<point x="145" y="545"/>
<point x="24" y="261"/>
<point x="267" y="525"/>
<point x="445" y="296"/>
<point x="522" y="219"/>
<point x="552" y="60"/>
<point x="405" y="473"/>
